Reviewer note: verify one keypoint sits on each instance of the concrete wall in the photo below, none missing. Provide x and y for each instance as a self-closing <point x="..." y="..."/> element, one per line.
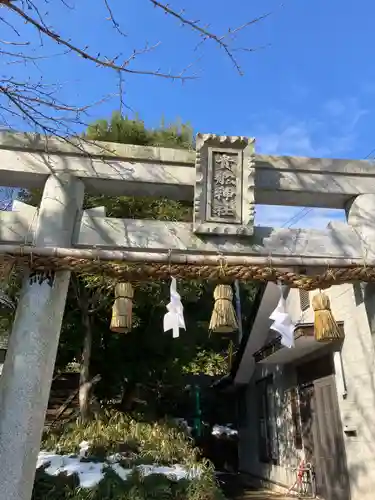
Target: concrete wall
<point x="355" y="382"/>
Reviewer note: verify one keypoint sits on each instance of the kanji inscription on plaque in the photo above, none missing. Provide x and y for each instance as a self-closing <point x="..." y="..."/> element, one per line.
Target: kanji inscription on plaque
<point x="224" y="185"/>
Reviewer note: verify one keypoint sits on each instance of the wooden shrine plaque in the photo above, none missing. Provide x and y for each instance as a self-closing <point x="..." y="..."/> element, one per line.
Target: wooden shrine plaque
<point x="224" y="185"/>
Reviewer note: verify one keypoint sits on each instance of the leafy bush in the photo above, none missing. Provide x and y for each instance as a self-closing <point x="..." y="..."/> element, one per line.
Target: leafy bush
<point x="114" y="432"/>
<point x="137" y="443"/>
<point x="154" y="487"/>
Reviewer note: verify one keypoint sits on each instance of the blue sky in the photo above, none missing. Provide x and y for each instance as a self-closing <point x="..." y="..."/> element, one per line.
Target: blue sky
<point x="310" y="91"/>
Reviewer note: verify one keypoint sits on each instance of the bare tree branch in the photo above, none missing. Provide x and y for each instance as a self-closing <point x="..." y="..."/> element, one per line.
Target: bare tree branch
<point x="115" y="24"/>
<point x="6" y="198"/>
<point x="205" y="33"/>
<point x="5" y="42"/>
<point x="40" y="105"/>
<point x="37" y="105"/>
<point x="86" y="55"/>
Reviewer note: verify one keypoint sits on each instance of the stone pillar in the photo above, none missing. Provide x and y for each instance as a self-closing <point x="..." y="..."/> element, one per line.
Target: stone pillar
<point x="360" y="214"/>
<point x="28" y="369"/>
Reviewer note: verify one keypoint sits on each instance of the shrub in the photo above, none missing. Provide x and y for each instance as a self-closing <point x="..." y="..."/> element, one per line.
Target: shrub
<point x="136" y="443"/>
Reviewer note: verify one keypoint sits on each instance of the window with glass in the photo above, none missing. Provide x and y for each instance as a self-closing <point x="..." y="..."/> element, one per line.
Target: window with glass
<point x="267" y="421"/>
<point x="296" y="418"/>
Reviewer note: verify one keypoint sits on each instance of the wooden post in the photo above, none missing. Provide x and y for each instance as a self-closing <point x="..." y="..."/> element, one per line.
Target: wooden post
<point x="26" y="379"/>
<point x="238" y="309"/>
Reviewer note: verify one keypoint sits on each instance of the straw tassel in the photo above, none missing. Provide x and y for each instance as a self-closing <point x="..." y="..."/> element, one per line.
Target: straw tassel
<point x="325" y="327"/>
<point x="223" y="319"/>
<point x="122" y="308"/>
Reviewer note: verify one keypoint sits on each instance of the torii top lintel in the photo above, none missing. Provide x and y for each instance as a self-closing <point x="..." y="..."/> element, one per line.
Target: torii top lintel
<point x="113" y="169"/>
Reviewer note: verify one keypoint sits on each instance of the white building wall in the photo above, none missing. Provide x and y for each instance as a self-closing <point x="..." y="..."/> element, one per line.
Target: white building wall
<point x="358" y="407"/>
<point x="356" y="397"/>
<point x="294" y="309"/>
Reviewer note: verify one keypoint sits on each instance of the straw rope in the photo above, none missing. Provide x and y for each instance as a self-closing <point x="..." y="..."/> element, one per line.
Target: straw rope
<point x="121" y="271"/>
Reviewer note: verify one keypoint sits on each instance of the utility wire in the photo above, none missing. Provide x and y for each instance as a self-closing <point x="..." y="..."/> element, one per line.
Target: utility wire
<point x="301" y="214"/>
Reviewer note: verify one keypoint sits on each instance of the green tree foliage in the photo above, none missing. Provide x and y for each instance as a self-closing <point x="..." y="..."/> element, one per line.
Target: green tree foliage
<point x="9" y="289"/>
<point x="133" y="131"/>
<point x="146" y="360"/>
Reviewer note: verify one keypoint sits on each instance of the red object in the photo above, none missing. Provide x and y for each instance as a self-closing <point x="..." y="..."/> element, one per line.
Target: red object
<point x="301" y="470"/>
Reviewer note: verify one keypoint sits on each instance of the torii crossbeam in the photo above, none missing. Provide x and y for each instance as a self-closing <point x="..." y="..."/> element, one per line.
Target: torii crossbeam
<point x="223" y="178"/>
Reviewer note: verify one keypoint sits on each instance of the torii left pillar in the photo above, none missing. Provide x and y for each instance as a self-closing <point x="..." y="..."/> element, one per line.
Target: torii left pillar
<point x="28" y="369"/>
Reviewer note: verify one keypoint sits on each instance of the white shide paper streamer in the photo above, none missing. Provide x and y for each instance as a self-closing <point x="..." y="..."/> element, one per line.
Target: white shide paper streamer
<point x="282" y="322"/>
<point x="174" y="318"/>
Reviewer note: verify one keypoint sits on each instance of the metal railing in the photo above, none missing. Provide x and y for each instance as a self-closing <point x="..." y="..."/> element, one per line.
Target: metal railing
<point x="304" y="485"/>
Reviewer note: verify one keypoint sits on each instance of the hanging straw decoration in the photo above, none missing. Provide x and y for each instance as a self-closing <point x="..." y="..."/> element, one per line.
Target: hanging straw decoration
<point x="325" y="327"/>
<point x="223" y="319"/>
<point x="122" y="308"/>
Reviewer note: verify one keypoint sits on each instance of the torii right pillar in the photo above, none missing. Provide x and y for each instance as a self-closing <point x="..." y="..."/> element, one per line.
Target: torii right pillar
<point x="360" y="213"/>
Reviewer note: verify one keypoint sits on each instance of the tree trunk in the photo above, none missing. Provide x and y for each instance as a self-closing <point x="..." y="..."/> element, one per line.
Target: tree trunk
<point x="84" y="380"/>
<point x="128" y="396"/>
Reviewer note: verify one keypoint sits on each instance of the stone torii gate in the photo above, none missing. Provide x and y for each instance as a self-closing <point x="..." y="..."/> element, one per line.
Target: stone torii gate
<point x="224" y="178"/>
